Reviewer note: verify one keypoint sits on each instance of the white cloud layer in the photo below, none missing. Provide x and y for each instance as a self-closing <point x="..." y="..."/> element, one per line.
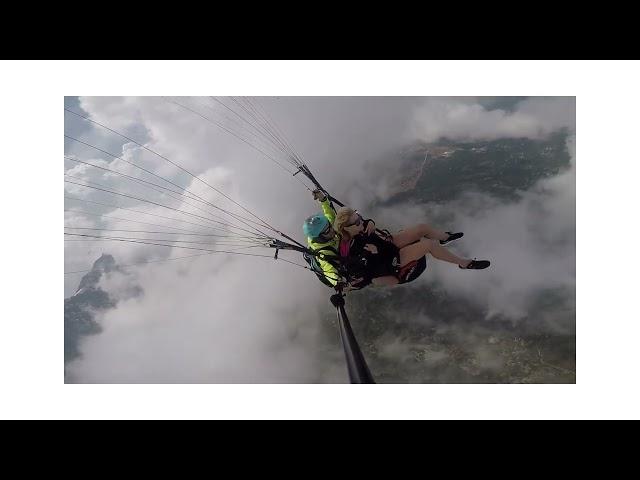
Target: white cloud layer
<point x="465" y="119"/>
<point x="244" y="320"/>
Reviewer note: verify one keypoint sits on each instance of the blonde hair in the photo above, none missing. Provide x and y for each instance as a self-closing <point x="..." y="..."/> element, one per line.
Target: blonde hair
<point x="343" y="215"/>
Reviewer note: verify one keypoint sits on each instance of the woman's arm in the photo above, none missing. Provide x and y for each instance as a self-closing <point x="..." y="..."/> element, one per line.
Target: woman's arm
<point x="369" y="226"/>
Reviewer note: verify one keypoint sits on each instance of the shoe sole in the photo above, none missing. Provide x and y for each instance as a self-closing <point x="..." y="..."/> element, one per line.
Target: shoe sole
<point x="467" y="268"/>
<point x="450" y="242"/>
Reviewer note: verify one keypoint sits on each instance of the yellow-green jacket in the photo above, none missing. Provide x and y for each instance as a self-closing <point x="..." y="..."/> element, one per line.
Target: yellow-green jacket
<point x="330" y="272"/>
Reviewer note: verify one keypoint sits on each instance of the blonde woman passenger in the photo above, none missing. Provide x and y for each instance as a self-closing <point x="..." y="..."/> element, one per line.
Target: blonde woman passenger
<point x="376" y="257"/>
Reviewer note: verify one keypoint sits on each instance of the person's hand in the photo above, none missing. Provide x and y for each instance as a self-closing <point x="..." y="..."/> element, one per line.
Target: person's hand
<point x="371" y="248"/>
<point x="319" y="195"/>
<point x="347" y="286"/>
<point x="386" y="236"/>
<point x="371" y="227"/>
<point x="352" y="285"/>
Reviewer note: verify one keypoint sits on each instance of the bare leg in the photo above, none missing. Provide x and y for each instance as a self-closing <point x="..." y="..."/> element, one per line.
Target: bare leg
<point x="424" y="246"/>
<point x="410" y="235"/>
<point x="385" y="281"/>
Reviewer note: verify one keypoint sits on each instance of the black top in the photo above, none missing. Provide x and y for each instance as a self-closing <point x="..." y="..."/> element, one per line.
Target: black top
<point x="363" y="263"/>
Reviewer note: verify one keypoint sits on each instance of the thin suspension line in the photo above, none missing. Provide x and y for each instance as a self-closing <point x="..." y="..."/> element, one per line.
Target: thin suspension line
<point x="167" y="233"/>
<point x="235" y="215"/>
<point x="144" y="263"/>
<point x="267" y="117"/>
<point x="129" y="220"/>
<point x="148" y="201"/>
<point x="144" y="182"/>
<point x="172" y="163"/>
<point x="210" y="227"/>
<point x="258" y="137"/>
<point x="173" y="246"/>
<point x="270" y="130"/>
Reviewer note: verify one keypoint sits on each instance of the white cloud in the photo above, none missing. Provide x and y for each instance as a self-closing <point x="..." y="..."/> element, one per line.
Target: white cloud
<point x="464" y="119"/>
<point x="208" y="321"/>
<point x="530" y="242"/>
<point x="214" y="319"/>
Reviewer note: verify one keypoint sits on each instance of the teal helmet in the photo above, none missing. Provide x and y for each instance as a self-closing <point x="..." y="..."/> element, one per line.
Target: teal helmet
<point x="314" y="225"/>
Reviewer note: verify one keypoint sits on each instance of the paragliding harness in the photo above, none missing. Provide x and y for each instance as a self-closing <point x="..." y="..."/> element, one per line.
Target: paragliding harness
<point x="312" y="257"/>
<point x="312" y="261"/>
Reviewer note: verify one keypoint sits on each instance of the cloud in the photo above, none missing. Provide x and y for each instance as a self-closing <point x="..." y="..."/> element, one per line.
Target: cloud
<point x="210" y="321"/>
<point x="530" y="242"/>
<point x="242" y="319"/>
<point x="466" y="120"/>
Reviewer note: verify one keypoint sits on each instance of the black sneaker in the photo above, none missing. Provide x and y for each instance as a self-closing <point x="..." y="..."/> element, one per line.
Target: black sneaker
<point x="452" y="237"/>
<point x="476" y="265"/>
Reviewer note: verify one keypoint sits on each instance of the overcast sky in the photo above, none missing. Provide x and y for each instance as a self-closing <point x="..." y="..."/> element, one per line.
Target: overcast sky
<point x="222" y="318"/>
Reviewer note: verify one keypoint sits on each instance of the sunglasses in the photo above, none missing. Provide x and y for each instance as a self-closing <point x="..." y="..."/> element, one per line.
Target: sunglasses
<point x="356" y="223"/>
